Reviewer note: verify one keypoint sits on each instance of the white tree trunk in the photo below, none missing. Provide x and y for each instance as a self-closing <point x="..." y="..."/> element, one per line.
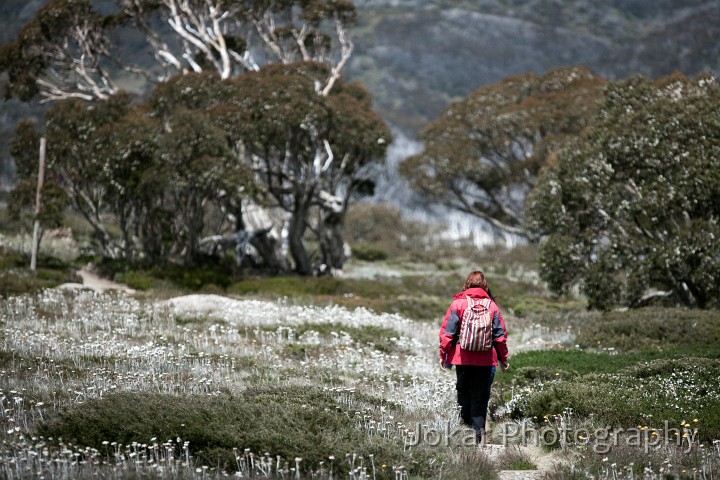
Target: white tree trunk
<point x="38" y="197"/>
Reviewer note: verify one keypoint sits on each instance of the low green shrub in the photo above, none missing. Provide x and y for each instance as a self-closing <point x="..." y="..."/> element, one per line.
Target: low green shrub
<point x="368" y="252"/>
<point x="195" y="278"/>
<point x="10" y="259"/>
<point x="544" y="365"/>
<point x="287" y="421"/>
<point x="209" y="273"/>
<point x="416" y="296"/>
<point x="649" y="393"/>
<point x="16" y="277"/>
<point x="626" y="460"/>
<point x="652" y="329"/>
<point x="547" y="365"/>
<point x="191" y="320"/>
<point x="288" y="286"/>
<point x="139" y="279"/>
<point x="301" y="351"/>
<point x="381" y="230"/>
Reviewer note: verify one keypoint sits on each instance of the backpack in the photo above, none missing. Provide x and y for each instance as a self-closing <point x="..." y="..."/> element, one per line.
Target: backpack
<point x="476" y="326"/>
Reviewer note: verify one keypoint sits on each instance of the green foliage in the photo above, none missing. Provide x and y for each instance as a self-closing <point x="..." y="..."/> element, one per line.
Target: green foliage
<point x="287" y="421"/>
<point x="197" y="277"/>
<point x="207" y="271"/>
<point x="368" y="252"/>
<point x="188" y="92"/>
<point x="45" y="42"/>
<point x="277" y="110"/>
<point x="300" y="351"/>
<point x="672" y="390"/>
<point x="10" y="259"/>
<point x="630" y="211"/>
<point x="476" y="157"/>
<point x="137" y="279"/>
<point x="162" y="168"/>
<point x="184" y="321"/>
<point x="25" y="149"/>
<point x="290" y="286"/>
<point x="155" y="176"/>
<point x="416" y="296"/>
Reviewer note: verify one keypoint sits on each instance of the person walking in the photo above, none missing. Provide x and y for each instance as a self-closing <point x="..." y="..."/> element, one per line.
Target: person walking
<point x="473" y="338"/>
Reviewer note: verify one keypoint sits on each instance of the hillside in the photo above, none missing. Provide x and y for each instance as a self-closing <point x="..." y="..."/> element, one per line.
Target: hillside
<point x="417" y="56"/>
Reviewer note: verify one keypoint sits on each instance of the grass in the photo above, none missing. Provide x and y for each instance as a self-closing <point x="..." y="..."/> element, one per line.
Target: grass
<point x="417" y="296"/>
<point x="549" y="365"/>
<point x="472" y="465"/>
<point x="209" y="274"/>
<point x="513" y="458"/>
<point x="656" y="366"/>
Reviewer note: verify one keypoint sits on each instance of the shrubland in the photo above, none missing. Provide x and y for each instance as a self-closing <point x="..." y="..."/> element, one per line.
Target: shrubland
<point x="227" y="376"/>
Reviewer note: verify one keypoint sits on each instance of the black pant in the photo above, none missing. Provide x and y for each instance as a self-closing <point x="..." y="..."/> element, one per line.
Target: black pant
<point x="473" y="391"/>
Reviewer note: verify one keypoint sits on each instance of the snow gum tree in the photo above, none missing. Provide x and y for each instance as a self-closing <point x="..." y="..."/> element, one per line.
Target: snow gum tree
<point x="156" y="178"/>
<point x="483" y="154"/>
<point x="308" y="152"/>
<point x="262" y="95"/>
<point x="630" y="210"/>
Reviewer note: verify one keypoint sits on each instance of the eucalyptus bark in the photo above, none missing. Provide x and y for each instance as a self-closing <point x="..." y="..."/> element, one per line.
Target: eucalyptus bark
<point x="298" y="224"/>
<point x="332" y="243"/>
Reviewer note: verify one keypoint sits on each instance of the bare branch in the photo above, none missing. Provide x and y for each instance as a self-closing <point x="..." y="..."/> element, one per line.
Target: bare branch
<point x="300" y="39"/>
<point x="346" y="48"/>
<point x="53" y="93"/>
<point x="464" y="206"/>
<point x="266" y="30"/>
<point x="246" y="60"/>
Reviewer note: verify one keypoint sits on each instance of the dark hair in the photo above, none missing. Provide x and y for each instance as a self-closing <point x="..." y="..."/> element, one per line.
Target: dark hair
<point x="477" y="280"/>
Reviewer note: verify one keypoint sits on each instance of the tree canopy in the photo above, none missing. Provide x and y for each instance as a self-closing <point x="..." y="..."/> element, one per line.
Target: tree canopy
<point x="248" y="106"/>
<point x="630" y="210"/>
<point x="155" y="177"/>
<point x="308" y="152"/>
<point x="201" y="144"/>
<point x="66" y="50"/>
<point x="483" y="154"/>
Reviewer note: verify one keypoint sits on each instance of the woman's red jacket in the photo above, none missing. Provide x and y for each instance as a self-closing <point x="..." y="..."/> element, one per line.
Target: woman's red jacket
<point x="451" y="353"/>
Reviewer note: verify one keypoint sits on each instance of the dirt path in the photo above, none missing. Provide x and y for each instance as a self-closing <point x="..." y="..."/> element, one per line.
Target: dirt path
<point x="524" y="338"/>
<point x="94" y="281"/>
<point x="543" y="460"/>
